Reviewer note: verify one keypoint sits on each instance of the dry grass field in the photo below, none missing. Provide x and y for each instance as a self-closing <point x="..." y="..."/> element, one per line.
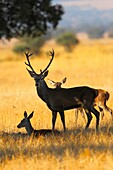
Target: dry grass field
<point x="91" y="64"/>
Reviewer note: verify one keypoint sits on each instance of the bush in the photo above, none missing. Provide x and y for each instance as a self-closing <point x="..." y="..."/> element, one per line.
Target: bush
<point x="20" y="48"/>
<point x="68" y="40"/>
<point x="31" y="44"/>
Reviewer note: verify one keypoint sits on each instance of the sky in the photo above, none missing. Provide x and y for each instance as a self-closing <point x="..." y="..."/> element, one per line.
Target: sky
<point x="86" y="12"/>
<point x="98" y="4"/>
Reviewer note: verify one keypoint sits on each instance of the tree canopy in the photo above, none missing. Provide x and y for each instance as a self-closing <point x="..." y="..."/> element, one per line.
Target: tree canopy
<point x="28" y="17"/>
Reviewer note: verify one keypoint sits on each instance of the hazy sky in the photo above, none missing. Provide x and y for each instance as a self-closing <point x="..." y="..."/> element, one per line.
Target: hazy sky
<point x="98" y="4"/>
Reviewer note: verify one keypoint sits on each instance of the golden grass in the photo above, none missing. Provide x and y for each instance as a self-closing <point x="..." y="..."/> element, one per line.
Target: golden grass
<point x="89" y="64"/>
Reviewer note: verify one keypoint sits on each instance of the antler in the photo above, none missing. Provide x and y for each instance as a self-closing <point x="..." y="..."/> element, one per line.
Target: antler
<point x="28" y="64"/>
<point x="51" y="54"/>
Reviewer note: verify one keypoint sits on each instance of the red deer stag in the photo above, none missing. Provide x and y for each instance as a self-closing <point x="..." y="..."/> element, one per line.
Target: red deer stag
<point x="25" y="122"/>
<point x="62" y="99"/>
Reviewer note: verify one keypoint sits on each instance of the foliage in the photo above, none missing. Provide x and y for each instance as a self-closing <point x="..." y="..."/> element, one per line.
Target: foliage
<point x="68" y="40"/>
<point x="26" y="17"/>
<point x="21" y="47"/>
<point x="95" y="32"/>
<point x="28" y="43"/>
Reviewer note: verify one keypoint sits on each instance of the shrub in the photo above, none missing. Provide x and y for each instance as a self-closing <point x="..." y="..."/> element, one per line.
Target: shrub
<point x="68" y="40"/>
<point x="20" y="48"/>
<point x="30" y="43"/>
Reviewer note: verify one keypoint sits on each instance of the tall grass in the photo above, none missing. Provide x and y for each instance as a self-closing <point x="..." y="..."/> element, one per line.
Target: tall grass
<point x="89" y="64"/>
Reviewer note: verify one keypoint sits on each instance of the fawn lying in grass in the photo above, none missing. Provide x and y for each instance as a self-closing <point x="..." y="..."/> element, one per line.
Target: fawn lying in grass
<point x="25" y="122"/>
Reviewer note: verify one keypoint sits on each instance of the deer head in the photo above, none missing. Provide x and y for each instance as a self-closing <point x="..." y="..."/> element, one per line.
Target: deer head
<point x="57" y="84"/>
<point x="43" y="73"/>
<point x="26" y="120"/>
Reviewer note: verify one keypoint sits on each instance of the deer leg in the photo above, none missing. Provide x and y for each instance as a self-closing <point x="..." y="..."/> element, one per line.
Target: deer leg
<point x="97" y="115"/>
<point x="101" y="111"/>
<point x="89" y="116"/>
<point x="76" y="115"/>
<point x="82" y="114"/>
<point x="63" y="119"/>
<point x="54" y="115"/>
<point x="108" y="110"/>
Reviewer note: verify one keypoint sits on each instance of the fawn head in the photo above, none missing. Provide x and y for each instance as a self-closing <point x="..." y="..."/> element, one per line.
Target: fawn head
<point x="26" y="120"/>
<point x="57" y="84"/>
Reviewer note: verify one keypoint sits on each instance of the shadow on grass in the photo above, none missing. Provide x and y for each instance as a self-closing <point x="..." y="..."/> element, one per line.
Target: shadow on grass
<point x="105" y="129"/>
<point x="73" y="141"/>
<point x="15" y="136"/>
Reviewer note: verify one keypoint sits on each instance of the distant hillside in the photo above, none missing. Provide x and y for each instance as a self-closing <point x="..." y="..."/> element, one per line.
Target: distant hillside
<point x="82" y="18"/>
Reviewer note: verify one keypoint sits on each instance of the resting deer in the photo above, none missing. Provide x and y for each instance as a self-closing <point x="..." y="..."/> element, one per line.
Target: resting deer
<point x="25" y="122"/>
<point x="99" y="101"/>
<point x="59" y="100"/>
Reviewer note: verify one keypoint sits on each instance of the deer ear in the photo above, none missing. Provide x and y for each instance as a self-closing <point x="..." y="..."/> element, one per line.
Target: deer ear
<point x="25" y="114"/>
<point x="31" y="115"/>
<point x="46" y="73"/>
<point x="31" y="73"/>
<point x="40" y="70"/>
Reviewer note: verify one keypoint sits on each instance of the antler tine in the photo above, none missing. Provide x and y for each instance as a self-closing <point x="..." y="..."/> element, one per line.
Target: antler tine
<point x="51" y="54"/>
<point x="28" y="64"/>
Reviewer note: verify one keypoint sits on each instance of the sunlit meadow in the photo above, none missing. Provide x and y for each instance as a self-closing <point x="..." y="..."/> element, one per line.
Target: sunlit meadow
<point x="91" y="64"/>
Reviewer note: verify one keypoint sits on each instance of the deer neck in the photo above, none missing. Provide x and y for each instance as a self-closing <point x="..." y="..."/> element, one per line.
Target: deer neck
<point x="42" y="90"/>
<point x="29" y="128"/>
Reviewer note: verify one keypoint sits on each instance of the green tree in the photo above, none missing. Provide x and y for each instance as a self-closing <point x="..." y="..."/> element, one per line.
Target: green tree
<point x="28" y="17"/>
<point x="68" y="40"/>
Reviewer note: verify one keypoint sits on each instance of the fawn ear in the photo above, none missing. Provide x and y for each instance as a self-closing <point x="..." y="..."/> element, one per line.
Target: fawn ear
<point x="51" y="82"/>
<point x="64" y="80"/>
<point x="25" y="114"/>
<point x="31" y="115"/>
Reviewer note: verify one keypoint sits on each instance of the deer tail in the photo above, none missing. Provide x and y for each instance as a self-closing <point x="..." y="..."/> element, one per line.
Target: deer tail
<point x="107" y="95"/>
